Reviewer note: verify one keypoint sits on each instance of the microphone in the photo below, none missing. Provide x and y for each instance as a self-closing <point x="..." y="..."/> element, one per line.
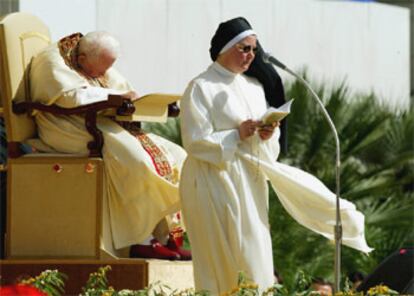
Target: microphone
<point x="269" y="59"/>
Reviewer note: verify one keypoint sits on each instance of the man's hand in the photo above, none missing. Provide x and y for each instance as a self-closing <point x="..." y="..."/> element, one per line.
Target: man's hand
<point x="132" y="95"/>
<point x="248" y="128"/>
<point x="266" y="131"/>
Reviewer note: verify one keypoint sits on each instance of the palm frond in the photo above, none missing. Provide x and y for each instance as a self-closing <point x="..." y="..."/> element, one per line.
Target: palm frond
<point x="169" y="130"/>
<point x="377" y="172"/>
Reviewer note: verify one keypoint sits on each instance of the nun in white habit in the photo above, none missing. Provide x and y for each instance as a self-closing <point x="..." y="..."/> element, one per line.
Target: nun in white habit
<point x="223" y="187"/>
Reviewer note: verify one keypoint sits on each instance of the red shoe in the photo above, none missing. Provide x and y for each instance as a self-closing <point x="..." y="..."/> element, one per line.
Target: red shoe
<point x="156" y="250"/>
<point x="175" y="245"/>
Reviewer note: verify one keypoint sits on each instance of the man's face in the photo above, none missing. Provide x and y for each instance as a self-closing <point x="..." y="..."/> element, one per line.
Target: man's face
<point x="238" y="58"/>
<point x="96" y="66"/>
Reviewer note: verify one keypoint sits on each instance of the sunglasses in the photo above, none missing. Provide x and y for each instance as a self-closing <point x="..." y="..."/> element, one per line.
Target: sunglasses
<point x="246" y="48"/>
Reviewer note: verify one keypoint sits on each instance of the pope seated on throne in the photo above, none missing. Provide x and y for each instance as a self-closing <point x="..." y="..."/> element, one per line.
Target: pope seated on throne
<point x="141" y="169"/>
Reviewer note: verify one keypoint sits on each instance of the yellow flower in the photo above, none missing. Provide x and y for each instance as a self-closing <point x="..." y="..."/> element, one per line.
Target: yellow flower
<point x="249" y="286"/>
<point x="380" y="289"/>
<point x="234" y="290"/>
<point x="384" y="289"/>
<point x="29" y="281"/>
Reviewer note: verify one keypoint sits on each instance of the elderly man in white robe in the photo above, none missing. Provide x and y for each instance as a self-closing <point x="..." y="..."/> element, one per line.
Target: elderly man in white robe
<point x="231" y="156"/>
<point x="142" y="170"/>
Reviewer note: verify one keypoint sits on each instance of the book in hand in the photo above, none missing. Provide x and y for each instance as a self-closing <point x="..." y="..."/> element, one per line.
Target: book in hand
<point x="151" y="108"/>
<point x="273" y="114"/>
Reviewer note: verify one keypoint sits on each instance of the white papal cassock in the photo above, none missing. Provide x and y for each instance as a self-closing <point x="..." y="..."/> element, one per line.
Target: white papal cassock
<point x="224" y="188"/>
<point x="138" y="197"/>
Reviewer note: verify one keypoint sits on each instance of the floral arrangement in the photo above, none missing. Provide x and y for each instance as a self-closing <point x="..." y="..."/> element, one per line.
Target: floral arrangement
<point x="48" y="283"/>
<point x="21" y="290"/>
<point x="51" y="283"/>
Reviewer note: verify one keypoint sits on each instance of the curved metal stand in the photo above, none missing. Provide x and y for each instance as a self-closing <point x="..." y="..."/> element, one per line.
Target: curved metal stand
<point x="338" y="224"/>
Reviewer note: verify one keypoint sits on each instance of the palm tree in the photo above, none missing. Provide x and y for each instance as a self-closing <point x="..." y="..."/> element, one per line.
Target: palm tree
<point x="377" y="157"/>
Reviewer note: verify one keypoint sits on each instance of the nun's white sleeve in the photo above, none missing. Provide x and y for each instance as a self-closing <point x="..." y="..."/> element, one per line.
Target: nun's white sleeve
<point x="200" y="138"/>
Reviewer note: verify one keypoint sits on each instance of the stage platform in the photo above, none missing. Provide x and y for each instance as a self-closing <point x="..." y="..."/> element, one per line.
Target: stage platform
<point x="131" y="274"/>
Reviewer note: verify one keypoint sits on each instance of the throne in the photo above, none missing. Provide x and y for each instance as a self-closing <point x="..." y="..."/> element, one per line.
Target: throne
<point x="57" y="213"/>
<point x="56" y="203"/>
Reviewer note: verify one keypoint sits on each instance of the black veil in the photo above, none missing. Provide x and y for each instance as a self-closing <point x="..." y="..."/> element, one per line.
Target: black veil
<point x="272" y="85"/>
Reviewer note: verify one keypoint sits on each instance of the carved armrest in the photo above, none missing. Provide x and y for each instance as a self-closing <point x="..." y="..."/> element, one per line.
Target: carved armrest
<point x="123" y="105"/>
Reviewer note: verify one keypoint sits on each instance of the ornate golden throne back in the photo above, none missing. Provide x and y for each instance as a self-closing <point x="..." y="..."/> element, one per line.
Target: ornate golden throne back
<point x="21" y="37"/>
<point x="54" y="201"/>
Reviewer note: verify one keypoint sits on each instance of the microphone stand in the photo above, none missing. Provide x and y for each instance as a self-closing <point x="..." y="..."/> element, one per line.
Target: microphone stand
<point x="338" y="225"/>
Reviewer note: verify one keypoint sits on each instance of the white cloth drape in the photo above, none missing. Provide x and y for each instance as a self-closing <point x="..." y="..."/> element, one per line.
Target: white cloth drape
<point x="312" y="204"/>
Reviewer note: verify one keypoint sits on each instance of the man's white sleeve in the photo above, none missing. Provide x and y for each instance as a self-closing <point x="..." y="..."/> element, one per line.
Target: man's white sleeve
<point x="85" y="95"/>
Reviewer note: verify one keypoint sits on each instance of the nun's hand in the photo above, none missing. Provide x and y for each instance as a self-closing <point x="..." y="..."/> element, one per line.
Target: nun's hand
<point x="266" y="131"/>
<point x="248" y="128"/>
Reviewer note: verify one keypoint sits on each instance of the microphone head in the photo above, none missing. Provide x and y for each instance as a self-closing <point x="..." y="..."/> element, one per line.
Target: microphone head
<point x="269" y="59"/>
<point x="266" y="57"/>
